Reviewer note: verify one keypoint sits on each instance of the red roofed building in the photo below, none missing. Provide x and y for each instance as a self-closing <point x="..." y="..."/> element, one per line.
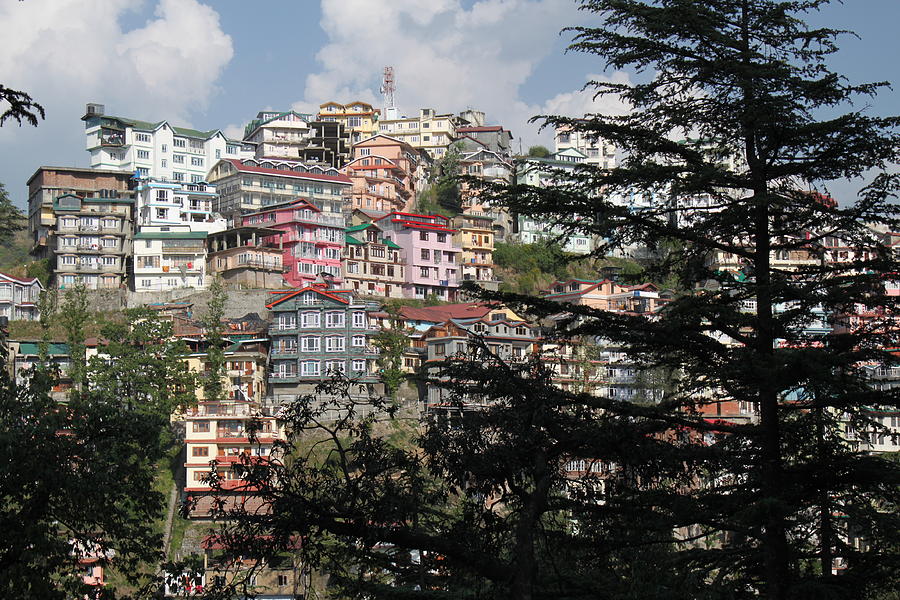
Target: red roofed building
<point x="252" y="184"/>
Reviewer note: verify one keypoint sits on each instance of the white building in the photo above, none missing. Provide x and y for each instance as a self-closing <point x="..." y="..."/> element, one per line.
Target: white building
<point x="428" y="131"/>
<point x="167" y="260"/>
<point x="157" y="149"/>
<point x="179" y="206"/>
<point x="278" y="134"/>
<point x="18" y="298"/>
<point x="598" y="152"/>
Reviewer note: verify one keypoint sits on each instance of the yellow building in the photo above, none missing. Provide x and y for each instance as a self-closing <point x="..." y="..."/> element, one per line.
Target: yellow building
<point x="428" y="131"/>
<point x="475" y="235"/>
<point x="359" y="119"/>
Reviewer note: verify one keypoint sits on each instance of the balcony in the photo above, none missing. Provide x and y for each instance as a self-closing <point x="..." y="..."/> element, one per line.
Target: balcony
<point x="285" y="353"/>
<point x="267" y="265"/>
<point x="184" y="250"/>
<point x="319" y="219"/>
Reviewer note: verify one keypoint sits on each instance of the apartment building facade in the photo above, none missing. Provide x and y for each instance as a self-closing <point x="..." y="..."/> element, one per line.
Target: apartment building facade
<point x="18" y="298"/>
<point x="372" y="264"/>
<point x="318" y="331"/>
<point x="251" y="185"/>
<point x="278" y="134"/>
<point x="311" y="240"/>
<point x="167" y="260"/>
<point x="597" y="152"/>
<point x="475" y="237"/>
<point x="359" y="119"/>
<point x="428" y="252"/>
<point x="242" y="258"/>
<point x="429" y="131"/>
<point x="49" y="183"/>
<point x="386" y="173"/>
<point x="93" y="241"/>
<point x="155" y="149"/>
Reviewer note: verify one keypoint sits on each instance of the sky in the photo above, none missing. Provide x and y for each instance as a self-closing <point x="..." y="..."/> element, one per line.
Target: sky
<point x="213" y="64"/>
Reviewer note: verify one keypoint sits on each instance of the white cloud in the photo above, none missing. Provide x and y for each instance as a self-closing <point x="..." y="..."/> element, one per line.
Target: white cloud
<point x="447" y="57"/>
<point x="69" y="52"/>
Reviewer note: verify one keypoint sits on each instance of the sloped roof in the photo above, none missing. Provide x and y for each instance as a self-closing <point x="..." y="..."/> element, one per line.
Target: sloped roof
<point x="446" y="312"/>
<point x="242" y="168"/>
<point x="332" y="294"/>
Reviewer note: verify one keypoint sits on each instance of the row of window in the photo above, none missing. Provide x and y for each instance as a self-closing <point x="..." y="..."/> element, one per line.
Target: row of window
<point x="313" y="343"/>
<point x="90" y="223"/>
<point x="88" y="242"/>
<point x="312" y="319"/>
<point x="317" y="367"/>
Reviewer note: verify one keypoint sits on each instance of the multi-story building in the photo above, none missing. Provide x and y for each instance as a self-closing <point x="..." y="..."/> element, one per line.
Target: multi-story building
<point x="372" y="264"/>
<point x="329" y="144"/>
<point x="154" y="149"/>
<point x="475" y="237"/>
<point x="177" y="205"/>
<point x="386" y="173"/>
<point x="277" y="134"/>
<point x="548" y="172"/>
<point x="167" y="260"/>
<point x="597" y="152"/>
<point x="607" y="295"/>
<point x="311" y="240"/>
<point x="243" y="260"/>
<point x="427" y="250"/>
<point x="319" y="331"/>
<point x="250" y="185"/>
<point x="483" y="339"/>
<point x="49" y="183"/>
<point x="428" y="131"/>
<point x="493" y="138"/>
<point x="18" y="298"/>
<point x="93" y="241"/>
<point x="359" y="119"/>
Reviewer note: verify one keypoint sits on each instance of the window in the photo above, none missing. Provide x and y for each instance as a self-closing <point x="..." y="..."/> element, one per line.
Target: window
<point x="163" y="163"/>
<point x="178" y="159"/>
<point x="162" y="213"/>
<point x="178" y="176"/>
<point x="423" y="235"/>
<point x="426" y="254"/>
<point x="334" y="319"/>
<point x="200" y="451"/>
<point x="179" y="142"/>
<point x="310" y="343"/>
<point x="109" y="242"/>
<point x="142" y="137"/>
<point x="334" y="343"/>
<point x="424" y="272"/>
<point x="359" y="319"/>
<point x="358" y="341"/>
<point x="365" y="151"/>
<point x="442" y="237"/>
<point x="359" y="366"/>
<point x="354" y="122"/>
<point x="196" y="179"/>
<point x="67" y="259"/>
<point x="143" y="154"/>
<point x="196" y="161"/>
<point x="310" y="319"/>
<point x="218" y="153"/>
<point x="164" y="148"/>
<point x="310" y="367"/>
<point x="440" y="349"/>
<point x="142" y="172"/>
<point x="282" y="580"/>
<point x="201" y="426"/>
<point x="287" y="321"/>
<point x="335" y="366"/>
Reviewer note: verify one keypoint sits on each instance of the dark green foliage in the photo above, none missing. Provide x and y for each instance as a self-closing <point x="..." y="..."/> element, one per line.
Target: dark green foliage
<point x="11" y="218"/>
<point x="21" y="107"/>
<point x="213" y="329"/>
<point x="39" y="269"/>
<point x="78" y="478"/>
<point x="391" y="344"/>
<point x="681" y="506"/>
<point x="72" y="315"/>
<point x="538" y="152"/>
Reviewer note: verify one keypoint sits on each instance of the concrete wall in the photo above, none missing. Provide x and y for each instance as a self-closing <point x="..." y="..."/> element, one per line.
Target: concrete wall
<point x="239" y="302"/>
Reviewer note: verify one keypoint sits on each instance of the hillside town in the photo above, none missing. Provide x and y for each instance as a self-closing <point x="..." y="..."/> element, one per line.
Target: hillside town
<point x="325" y="233"/>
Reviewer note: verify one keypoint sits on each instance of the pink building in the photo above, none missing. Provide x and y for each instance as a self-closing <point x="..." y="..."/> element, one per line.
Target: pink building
<point x="427" y="250"/>
<point x="311" y="241"/>
<point x="385" y="172"/>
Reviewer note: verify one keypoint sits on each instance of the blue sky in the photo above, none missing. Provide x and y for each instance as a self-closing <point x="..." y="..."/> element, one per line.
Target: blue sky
<point x="216" y="63"/>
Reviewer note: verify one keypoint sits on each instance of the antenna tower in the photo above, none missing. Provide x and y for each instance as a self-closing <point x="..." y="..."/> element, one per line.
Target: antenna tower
<point x="387" y="87"/>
